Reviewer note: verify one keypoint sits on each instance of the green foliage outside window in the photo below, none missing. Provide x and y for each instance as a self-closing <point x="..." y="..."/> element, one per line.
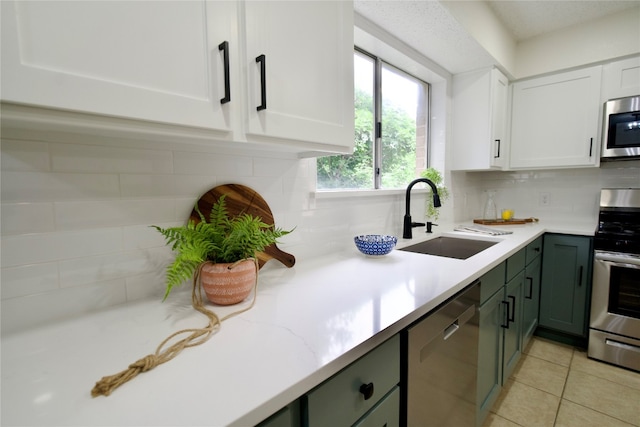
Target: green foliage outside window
<point x="398" y="152"/>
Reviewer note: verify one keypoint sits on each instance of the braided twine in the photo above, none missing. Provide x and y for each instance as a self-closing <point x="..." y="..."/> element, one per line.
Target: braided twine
<point x="107" y="384"/>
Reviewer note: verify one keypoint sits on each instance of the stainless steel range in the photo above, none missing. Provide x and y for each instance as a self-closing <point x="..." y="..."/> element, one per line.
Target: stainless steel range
<point x="614" y="334"/>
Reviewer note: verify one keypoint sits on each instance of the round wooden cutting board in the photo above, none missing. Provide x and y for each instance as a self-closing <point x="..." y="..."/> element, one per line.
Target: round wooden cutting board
<point x="242" y="199"/>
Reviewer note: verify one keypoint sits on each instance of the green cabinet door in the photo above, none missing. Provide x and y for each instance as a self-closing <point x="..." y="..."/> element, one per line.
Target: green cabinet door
<point x="491" y="318"/>
<point x="530" y="300"/>
<point x="566" y="283"/>
<point x="513" y="329"/>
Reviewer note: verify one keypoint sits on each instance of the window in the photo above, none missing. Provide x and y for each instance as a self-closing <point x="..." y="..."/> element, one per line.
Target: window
<point x="391" y="119"/>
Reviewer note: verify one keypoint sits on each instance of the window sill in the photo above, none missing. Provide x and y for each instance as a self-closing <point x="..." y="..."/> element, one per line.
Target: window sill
<point x="341" y="194"/>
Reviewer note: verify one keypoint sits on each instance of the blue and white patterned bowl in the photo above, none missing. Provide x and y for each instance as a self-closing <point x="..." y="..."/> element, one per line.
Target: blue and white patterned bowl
<point x="375" y="244"/>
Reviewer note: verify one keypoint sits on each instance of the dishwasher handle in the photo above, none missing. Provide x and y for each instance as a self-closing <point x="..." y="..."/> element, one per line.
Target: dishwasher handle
<point x="429" y="347"/>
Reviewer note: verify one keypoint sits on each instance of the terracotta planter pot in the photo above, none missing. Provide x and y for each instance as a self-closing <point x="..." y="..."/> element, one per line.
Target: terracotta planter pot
<point x="227" y="284"/>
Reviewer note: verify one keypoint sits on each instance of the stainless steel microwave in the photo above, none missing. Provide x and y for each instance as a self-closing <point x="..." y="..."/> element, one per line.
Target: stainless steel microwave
<point x="621" y="129"/>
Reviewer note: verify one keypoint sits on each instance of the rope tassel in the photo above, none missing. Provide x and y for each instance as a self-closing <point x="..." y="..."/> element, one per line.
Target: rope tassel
<point x="107" y="384"/>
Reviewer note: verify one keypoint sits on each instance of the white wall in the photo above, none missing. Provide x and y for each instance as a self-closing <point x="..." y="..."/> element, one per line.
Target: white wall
<point x="613" y="36"/>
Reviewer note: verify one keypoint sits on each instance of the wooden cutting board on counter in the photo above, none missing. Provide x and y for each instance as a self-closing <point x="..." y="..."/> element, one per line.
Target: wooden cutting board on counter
<point x="514" y="221"/>
<point x="242" y="199"/>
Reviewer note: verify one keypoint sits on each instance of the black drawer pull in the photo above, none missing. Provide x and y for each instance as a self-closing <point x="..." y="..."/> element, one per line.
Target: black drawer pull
<point x="506" y="315"/>
<point x="512" y="317"/>
<point x="262" y="60"/>
<point x="224" y="47"/>
<point x="367" y="390"/>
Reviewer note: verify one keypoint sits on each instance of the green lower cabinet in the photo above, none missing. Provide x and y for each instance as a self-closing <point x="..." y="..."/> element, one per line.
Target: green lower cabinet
<point x="490" y="345"/>
<point x="566" y="284"/>
<point x="530" y="300"/>
<point x="289" y="416"/>
<point x="513" y="325"/>
<point x="503" y="322"/>
<point x="358" y="392"/>
<point x="386" y="413"/>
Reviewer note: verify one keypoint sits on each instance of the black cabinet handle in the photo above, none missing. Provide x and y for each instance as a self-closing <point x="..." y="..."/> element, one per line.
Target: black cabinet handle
<point x="367" y="390"/>
<point x="224" y="47"/>
<point x="262" y="60"/>
<point x="530" y="279"/>
<point x="506" y="316"/>
<point x="591" y="147"/>
<point x="580" y="276"/>
<point x="498" y="155"/>
<point x="512" y="318"/>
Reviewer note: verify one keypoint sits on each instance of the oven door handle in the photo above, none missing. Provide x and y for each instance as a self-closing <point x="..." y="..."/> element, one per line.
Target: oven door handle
<point x="619" y="260"/>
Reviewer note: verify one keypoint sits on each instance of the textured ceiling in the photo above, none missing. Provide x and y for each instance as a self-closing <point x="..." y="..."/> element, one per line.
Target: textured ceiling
<point x="428" y="27"/>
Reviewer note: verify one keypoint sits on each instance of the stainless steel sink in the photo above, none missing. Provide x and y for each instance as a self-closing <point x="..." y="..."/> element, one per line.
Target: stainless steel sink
<point x="450" y="247"/>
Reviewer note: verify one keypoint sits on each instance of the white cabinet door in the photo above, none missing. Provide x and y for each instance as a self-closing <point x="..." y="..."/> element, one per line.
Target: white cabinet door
<point x="621" y="78"/>
<point x="499" y="100"/>
<point x="148" y="60"/>
<point x="307" y="51"/>
<point x="479" y="120"/>
<point x="555" y="120"/>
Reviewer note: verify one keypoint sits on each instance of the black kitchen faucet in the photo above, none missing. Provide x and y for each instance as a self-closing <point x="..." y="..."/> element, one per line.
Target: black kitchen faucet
<point x="408" y="225"/>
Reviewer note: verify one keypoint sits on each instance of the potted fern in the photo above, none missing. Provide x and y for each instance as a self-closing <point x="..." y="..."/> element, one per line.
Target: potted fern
<point x="434" y="176"/>
<point x="220" y="250"/>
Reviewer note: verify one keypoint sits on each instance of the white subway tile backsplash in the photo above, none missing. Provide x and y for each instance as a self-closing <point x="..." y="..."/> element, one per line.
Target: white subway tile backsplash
<point x="215" y="164"/>
<point x="29" y="279"/>
<point x="144" y="236"/>
<point x="45" y="187"/>
<point x="99" y="159"/>
<point x="75" y="217"/>
<point x="265" y="167"/>
<point x="46" y="247"/>
<point x="23" y="218"/>
<point x="29" y="249"/>
<point x="112" y="213"/>
<point x="139" y="185"/>
<point x="40" y="308"/>
<point x="86" y="270"/>
<point x="148" y="285"/>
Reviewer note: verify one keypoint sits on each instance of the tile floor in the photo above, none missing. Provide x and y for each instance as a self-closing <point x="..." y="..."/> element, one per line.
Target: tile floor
<point x="557" y="385"/>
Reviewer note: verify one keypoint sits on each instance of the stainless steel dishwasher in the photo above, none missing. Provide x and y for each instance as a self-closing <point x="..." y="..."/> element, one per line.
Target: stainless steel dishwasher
<point x="442" y="353"/>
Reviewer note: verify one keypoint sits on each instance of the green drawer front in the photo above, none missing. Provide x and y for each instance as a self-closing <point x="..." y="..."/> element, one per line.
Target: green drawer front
<point x="534" y="249"/>
<point x="386" y="413"/>
<point x="338" y="401"/>
<point x="492" y="281"/>
<point x="515" y="264"/>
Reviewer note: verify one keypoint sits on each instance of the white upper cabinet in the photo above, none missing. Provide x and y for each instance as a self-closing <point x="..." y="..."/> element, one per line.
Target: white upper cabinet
<point x="304" y="74"/>
<point x="153" y="60"/>
<point x="480" y="120"/>
<point x="621" y="78"/>
<point x="555" y="120"/>
<point x="165" y="62"/>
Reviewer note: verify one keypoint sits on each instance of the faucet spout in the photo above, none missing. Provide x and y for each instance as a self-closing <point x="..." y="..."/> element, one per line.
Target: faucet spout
<point x="408" y="224"/>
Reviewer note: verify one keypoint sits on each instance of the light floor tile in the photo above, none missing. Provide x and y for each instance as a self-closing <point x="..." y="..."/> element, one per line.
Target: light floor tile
<point x="527" y="406"/>
<point x="541" y="374"/>
<point x="604" y="396"/>
<point x="550" y="351"/>
<point x="599" y="369"/>
<point x="494" y="420"/>
<point x="573" y="415"/>
<point x="593" y="393"/>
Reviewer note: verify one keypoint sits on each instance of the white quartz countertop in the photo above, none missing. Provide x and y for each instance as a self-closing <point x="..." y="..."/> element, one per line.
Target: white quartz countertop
<point x="308" y="323"/>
